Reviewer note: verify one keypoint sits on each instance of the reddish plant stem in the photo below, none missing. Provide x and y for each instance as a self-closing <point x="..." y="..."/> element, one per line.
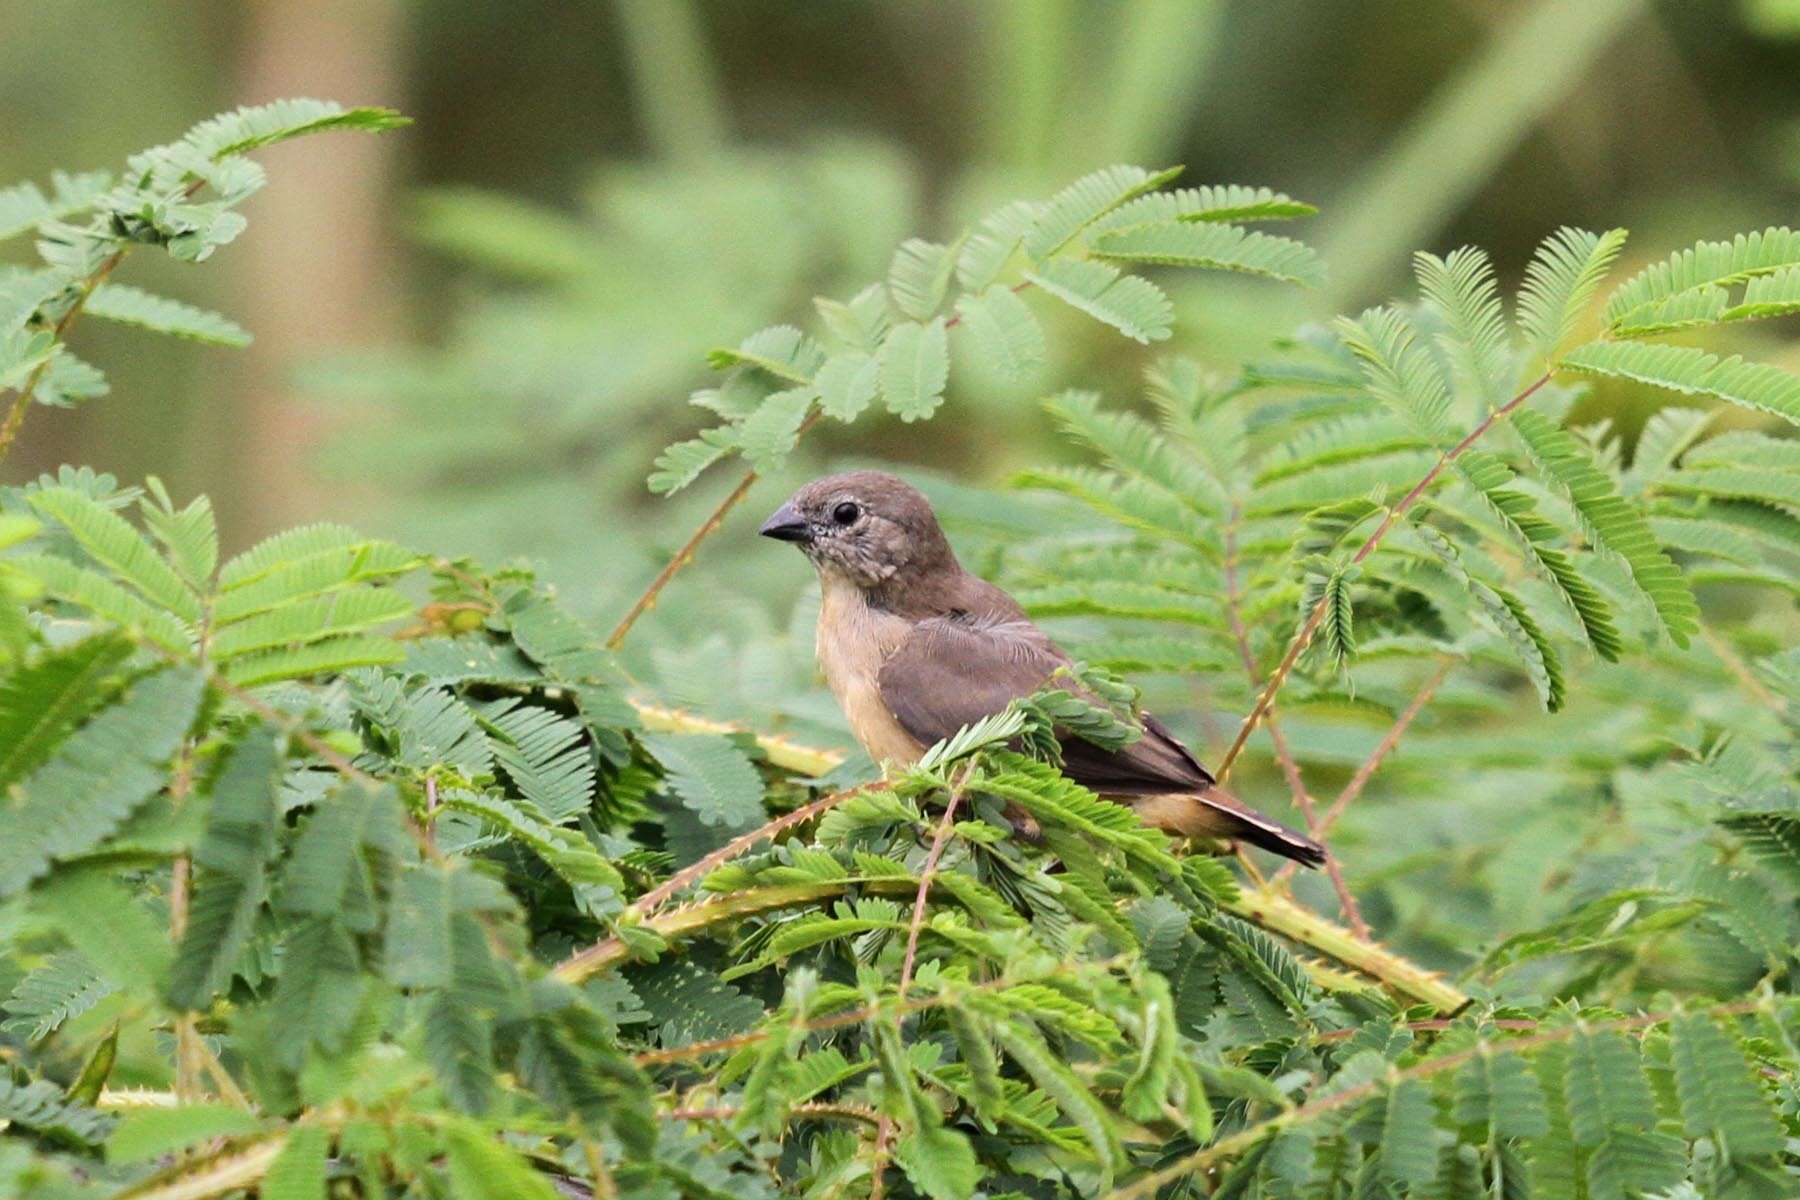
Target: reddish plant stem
<point x="650" y="901"/>
<point x="1383" y="748"/>
<point x="1317" y="616"/>
<point x="884" y="1128"/>
<point x="1290" y="767"/>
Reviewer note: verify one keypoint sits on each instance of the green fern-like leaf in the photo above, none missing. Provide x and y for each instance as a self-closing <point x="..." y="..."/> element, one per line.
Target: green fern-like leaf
<point x="40" y="703"/>
<point x="330" y="654"/>
<point x="231" y="869"/>
<point x="1705" y="269"/>
<point x="710" y="776"/>
<point x="1461" y="287"/>
<point x="1532" y="533"/>
<point x="298" y="1172"/>
<point x="1062" y="218"/>
<point x="98" y="776"/>
<point x="123" y="550"/>
<point x="1720" y="1097"/>
<point x="1135" y="307"/>
<point x="251" y="128"/>
<point x="134" y="306"/>
<point x="24" y="207"/>
<point x="1223" y="202"/>
<point x="1005" y="333"/>
<point x="1508" y="614"/>
<point x="545" y="755"/>
<point x="847" y="384"/>
<point x="987" y="249"/>
<point x="1605" y="1089"/>
<point x="914" y="366"/>
<point x="39" y="1107"/>
<point x="1614" y="522"/>
<point x="1408" y="1146"/>
<point x="1211" y="247"/>
<point x="781" y="350"/>
<point x="190" y="534"/>
<point x="1562" y="277"/>
<point x="1692" y="372"/>
<point x="1401" y="372"/>
<point x="920" y="277"/>
<point x="1496" y="1091"/>
<point x="304" y="621"/>
<point x="770" y="434"/>
<point x="60" y="990"/>
<point x="682" y="463"/>
<point x="99" y="595"/>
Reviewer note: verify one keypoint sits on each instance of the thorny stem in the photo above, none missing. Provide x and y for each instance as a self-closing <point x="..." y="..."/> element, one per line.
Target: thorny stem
<point x="1317" y="616"/>
<point x="1290" y="767"/>
<point x="1245" y="1139"/>
<point x="715" y="519"/>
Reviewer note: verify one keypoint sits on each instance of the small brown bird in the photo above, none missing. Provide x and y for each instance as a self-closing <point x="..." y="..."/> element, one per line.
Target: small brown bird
<point x="914" y="648"/>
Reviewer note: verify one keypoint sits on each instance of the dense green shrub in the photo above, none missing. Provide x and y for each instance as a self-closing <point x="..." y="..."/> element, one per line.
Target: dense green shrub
<point x="337" y="869"/>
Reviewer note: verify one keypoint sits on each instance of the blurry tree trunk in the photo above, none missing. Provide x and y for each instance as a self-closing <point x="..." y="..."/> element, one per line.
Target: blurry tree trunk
<point x="314" y="272"/>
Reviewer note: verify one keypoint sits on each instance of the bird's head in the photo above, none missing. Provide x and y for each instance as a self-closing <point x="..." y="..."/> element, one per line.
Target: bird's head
<point x="866" y="527"/>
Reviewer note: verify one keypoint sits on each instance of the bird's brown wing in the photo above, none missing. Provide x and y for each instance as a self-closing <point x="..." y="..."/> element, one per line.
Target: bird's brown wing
<point x="952" y="671"/>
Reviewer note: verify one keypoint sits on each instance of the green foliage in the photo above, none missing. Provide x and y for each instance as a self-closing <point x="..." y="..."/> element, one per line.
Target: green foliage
<point x="182" y="197"/>
<point x="374" y="870"/>
<point x="896" y="343"/>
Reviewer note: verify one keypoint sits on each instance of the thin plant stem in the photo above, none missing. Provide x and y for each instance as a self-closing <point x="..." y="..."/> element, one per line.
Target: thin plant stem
<point x="884" y="1129"/>
<point x="15" y="417"/>
<point x="1383" y="748"/>
<point x="650" y="901"/>
<point x="1290" y="766"/>
<point x="1282" y="915"/>
<point x="716" y="518"/>
<point x="1317" y="616"/>
<point x="1739" y="670"/>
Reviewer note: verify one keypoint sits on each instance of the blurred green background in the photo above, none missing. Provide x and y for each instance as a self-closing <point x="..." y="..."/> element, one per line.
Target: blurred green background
<point x="476" y="335"/>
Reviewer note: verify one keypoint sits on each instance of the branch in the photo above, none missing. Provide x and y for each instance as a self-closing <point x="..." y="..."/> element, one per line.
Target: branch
<point x="1243" y="1140"/>
<point x="1317" y="616"/>
<point x="685" y="555"/>
<point x="884" y="1128"/>
<point x="1279" y="914"/>
<point x="736" y="846"/>
<point x="1290" y="767"/>
<point x="16" y="417"/>
<point x="1360" y="780"/>
<point x="790" y="756"/>
<point x="690" y="918"/>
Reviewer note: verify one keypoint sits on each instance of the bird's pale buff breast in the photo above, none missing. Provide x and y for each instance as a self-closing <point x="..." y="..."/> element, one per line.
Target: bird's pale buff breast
<point x="854" y="641"/>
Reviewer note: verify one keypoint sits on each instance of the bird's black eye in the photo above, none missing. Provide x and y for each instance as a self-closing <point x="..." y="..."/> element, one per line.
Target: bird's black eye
<point x="846" y="513"/>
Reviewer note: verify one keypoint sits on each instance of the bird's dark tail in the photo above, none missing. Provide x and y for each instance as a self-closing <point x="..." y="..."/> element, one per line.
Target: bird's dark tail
<point x="1215" y="813"/>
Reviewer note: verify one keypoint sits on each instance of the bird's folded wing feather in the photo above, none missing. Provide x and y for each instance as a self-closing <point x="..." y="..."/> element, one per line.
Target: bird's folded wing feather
<point x="952" y="671"/>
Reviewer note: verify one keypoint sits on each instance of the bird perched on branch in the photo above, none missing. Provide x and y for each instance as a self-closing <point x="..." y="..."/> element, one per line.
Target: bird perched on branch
<point x="914" y="648"/>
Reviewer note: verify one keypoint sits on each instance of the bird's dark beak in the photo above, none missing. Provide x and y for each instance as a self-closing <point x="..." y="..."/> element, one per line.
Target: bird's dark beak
<point x="786" y="524"/>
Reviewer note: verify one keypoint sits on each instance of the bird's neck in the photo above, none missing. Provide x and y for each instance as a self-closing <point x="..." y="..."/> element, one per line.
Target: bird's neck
<point x="912" y="593"/>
